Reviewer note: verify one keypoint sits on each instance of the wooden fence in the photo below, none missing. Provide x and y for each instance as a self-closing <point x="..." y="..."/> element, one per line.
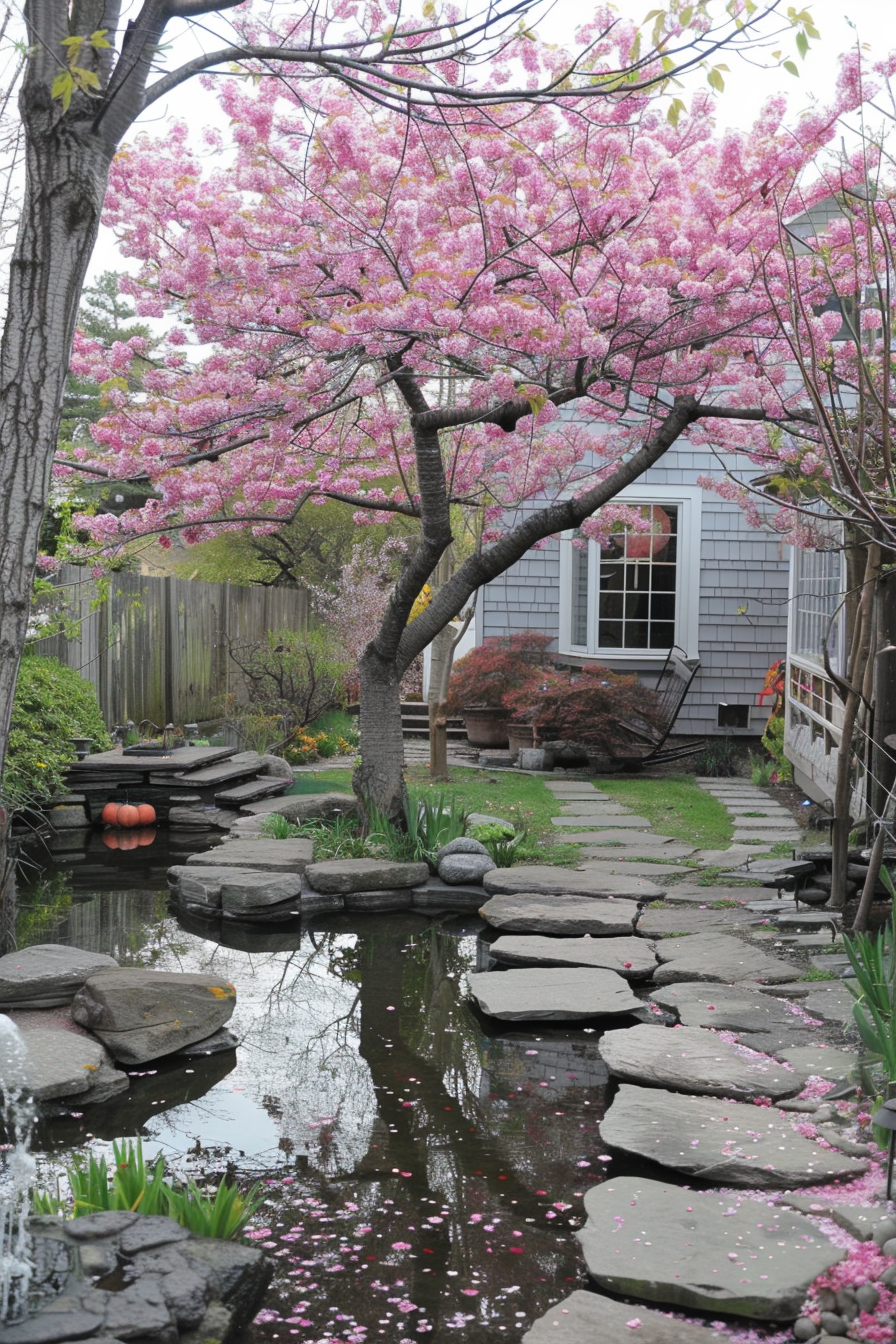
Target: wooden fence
<point x="156" y="648"/>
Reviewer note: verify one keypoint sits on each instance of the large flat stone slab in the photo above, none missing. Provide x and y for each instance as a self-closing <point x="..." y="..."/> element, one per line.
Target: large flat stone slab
<point x="819" y="1061"/>
<point x="599" y="821"/>
<point x="591" y="1318"/>
<point x="657" y="1242"/>
<point x="829" y="1000"/>
<point x="759" y="1020"/>
<point x="717" y="957"/>
<point x="627" y="867"/>
<point x="632" y="958"/>
<point x="63" y="1063"/>
<point x="592" y="807"/>
<point x="562" y="994"/>
<point x="545" y="880"/>
<point x="340" y="876"/>
<point x="47" y="975"/>
<point x="636" y="845"/>
<point x="692" y="1059"/>
<point x="781" y="821"/>
<point x="140" y="1015"/>
<point x="564" y="916"/>
<point x="685" y="919"/>
<point x="263" y="856"/>
<point x="231" y="888"/>
<point x="301" y="807"/>
<point x="691" y="893"/>
<point x="722" y="1141"/>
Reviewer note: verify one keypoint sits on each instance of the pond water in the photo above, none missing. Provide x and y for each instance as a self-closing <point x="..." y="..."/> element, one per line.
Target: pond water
<point x="424" y="1168"/>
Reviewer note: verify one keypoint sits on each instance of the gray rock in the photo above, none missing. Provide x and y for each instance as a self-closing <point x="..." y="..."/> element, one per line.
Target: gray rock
<point x="245" y="891"/>
<point x="263" y="856"/>
<point x="344" y="875"/>
<point x="555" y="995"/>
<point x="68" y="818"/>
<point x="632" y="958"/>
<point x="47" y="975"/>
<point x="52" y="1328"/>
<point x="535" y="758"/>
<point x="544" y="880"/>
<point x="591" y="1318"/>
<point x="679" y="919"/>
<point x="673" y="1246"/>
<point x="301" y="807"/>
<point x="816" y="1061"/>
<point x="315" y="903"/>
<point x="135" y="1311"/>
<point x="395" y="898"/>
<point x="884" y="1229"/>
<point x="847" y="1307"/>
<point x="92" y="1226"/>
<point x="229" y="1264"/>
<point x="690" y="1059"/>
<point x="888" y="1278"/>
<point x="184" y="1293"/>
<point x="832" y="1324"/>
<point x="564" y="915"/>
<point x="150" y="1231"/>
<point x="217" y="1044"/>
<point x="717" y="957"/>
<point x="867" y="1297"/>
<point x="199" y="818"/>
<point x="435" y="894"/>
<point x="804" y="1328"/>
<point x="460" y="869"/>
<point x="486" y="819"/>
<point x="727" y="1142"/>
<point x="140" y="1015"/>
<point x="275" y="766"/>
<point x="67" y="1064"/>
<point x="758" y="1019"/>
<point x="889" y="1248"/>
<point x="598" y="821"/>
<point x="464" y="844"/>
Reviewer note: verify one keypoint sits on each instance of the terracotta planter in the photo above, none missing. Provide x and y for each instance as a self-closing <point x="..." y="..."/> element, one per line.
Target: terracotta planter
<point x="486" y="725"/>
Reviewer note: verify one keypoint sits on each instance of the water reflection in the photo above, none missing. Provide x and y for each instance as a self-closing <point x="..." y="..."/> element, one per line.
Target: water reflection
<point x="421" y="1162"/>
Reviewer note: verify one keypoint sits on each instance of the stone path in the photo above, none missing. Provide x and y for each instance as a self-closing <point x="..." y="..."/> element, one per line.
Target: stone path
<point x="724" y="961"/>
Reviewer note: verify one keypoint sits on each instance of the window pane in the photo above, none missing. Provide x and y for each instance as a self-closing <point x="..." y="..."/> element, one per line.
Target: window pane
<point x="818" y="592"/>
<point x="642" y="586"/>
<point x="579" y="629"/>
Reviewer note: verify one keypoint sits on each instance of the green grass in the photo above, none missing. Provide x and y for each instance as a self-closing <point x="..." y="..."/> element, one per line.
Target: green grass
<point x="814" y="973"/>
<point x="674" y="805"/>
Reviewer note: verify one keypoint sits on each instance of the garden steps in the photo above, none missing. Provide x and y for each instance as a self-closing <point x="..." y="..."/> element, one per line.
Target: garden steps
<point x="263" y="787"/>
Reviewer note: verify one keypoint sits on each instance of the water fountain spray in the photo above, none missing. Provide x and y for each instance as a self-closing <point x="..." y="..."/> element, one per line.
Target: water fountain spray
<point x="16" y="1174"/>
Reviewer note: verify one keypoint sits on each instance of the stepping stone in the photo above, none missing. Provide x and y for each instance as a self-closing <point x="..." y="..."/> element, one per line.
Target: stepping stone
<point x="631" y="849"/>
<point x="339" y="876"/>
<point x="265" y="856"/>
<point x="737" y="1008"/>
<point x="594" y="809"/>
<point x="612" y="839"/>
<point x="751" y="809"/>
<point x="632" y="958"/>
<point x="597" y="821"/>
<point x="545" y="880"/>
<point x="216" y="774"/>
<point x="719" y="1140"/>
<point x="140" y="1015"/>
<point x="687" y="893"/>
<point x="831" y="1001"/>
<point x="591" y="1318"/>
<point x="47" y="975"/>
<point x="716" y="957"/>
<point x="690" y="1059"/>
<point x="575" y="786"/>
<point x="561" y="915"/>
<point x="60" y="1063"/>
<point x="556" y="995"/>
<point x="818" y="1061"/>
<point x="627" y="867"/>
<point x="667" y="923"/>
<point x="771" y="867"/>
<point x="733" y="855"/>
<point x="696" y="1250"/>
<point x="303" y="806"/>
<point x="837" y="963"/>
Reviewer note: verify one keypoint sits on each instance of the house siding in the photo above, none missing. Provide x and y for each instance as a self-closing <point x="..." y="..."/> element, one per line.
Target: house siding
<point x="739" y="566"/>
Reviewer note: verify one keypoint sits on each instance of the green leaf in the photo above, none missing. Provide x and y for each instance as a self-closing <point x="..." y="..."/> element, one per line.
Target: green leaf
<point x="791" y="68"/>
<point x="63" y="88"/>
<point x="97" y="39"/>
<point x="802" y="44"/>
<point x="715" y="80"/>
<point x="676" y="107"/>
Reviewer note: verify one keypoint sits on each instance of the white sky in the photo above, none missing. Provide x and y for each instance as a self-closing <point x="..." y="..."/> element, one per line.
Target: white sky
<point x="747" y="83"/>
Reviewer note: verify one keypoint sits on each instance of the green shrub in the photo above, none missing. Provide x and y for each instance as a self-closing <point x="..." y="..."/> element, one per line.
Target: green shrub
<point x="52" y="705"/>
<point x="773" y="741"/>
<point x="720" y="757"/>
<point x="141" y="1189"/>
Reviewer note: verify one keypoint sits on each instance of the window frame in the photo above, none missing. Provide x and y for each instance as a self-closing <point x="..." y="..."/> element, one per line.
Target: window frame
<point x="688" y="500"/>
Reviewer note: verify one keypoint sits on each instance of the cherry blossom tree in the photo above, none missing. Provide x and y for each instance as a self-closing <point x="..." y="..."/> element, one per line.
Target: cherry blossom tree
<point x="516" y="312"/>
<point x="86" y="73"/>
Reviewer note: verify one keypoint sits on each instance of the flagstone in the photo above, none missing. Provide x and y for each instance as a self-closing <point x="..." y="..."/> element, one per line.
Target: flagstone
<point x="592" y="1318"/>
<point x="546" y="880"/>
<point x="552" y="994"/>
<point x="633" y="867"/>
<point x="692" y="1059"/>
<point x="738" y="1008"/>
<point x="632" y="958"/>
<point x="659" y="1243"/>
<point x="686" y="893"/>
<point x="598" y="821"/>
<point x="682" y="919"/>
<point x="716" y="1139"/>
<point x="717" y="957"/>
<point x="562" y="915"/>
<point x="638" y="845"/>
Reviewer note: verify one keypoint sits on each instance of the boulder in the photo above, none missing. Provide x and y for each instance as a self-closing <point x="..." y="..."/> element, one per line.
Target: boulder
<point x="486" y="819"/>
<point x="301" y="807"/>
<point x="530" y="912"/>
<point x="717" y="957"/>
<point x="275" y="766"/>
<point x="68" y="817"/>
<point x="460" y="869"/>
<point x="244" y="892"/>
<point x="338" y="876"/>
<point x="562" y="994"/>
<point x="660" y="1243"/>
<point x="62" y="1063"/>
<point x="727" y="1142"/>
<point x="464" y="844"/>
<point x="591" y="1318"/>
<point x="691" y="1059"/>
<point x="47" y="975"/>
<point x="141" y="1015"/>
<point x="390" y="898"/>
<point x="199" y="818"/>
<point x="632" y="958"/>
<point x="548" y="881"/>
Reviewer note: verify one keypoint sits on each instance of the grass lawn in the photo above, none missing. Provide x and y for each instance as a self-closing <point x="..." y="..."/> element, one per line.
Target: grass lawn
<point x="674" y="805"/>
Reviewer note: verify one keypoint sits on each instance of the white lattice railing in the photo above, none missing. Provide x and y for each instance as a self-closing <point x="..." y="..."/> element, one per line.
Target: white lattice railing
<point x="814" y="724"/>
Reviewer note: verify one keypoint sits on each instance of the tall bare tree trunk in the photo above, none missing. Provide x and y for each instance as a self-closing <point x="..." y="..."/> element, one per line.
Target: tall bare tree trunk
<point x="379" y="778"/>
<point x="858" y="676"/>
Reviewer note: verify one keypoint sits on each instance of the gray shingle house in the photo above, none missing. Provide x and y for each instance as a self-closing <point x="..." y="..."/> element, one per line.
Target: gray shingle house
<point x="705" y="581"/>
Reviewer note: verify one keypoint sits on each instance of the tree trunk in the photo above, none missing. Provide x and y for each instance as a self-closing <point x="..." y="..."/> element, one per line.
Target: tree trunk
<point x="379" y="778"/>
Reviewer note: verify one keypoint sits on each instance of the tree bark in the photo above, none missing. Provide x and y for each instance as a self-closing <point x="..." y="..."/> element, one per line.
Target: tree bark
<point x="379" y="778"/>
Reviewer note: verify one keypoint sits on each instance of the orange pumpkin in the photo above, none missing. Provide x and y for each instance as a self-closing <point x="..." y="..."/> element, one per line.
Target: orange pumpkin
<point x="110" y="813"/>
<point x="146" y="813"/>
<point x="146" y="835"/>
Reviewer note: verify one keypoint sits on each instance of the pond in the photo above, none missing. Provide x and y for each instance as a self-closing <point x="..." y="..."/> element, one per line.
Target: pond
<point x="424" y="1169"/>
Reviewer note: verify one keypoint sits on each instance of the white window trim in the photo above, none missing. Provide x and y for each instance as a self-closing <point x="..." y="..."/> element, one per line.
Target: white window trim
<point x="689" y="499"/>
<point x="815" y="661"/>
